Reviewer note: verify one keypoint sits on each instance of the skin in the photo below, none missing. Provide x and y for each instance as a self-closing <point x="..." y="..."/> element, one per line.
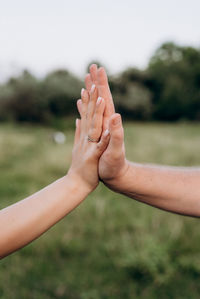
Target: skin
<point x="112" y="162"/>
<point x="173" y="189"/>
<point x="29" y="218"/>
<point x="169" y="188"/>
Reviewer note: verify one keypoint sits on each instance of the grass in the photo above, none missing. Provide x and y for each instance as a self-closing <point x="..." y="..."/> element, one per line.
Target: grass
<point x="110" y="246"/>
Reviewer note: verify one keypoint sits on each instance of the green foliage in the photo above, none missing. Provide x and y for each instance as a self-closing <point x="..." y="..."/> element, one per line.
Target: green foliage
<point x="19" y="99"/>
<point x="175" y="75"/>
<point x="61" y="90"/>
<point x="27" y="99"/>
<point x="168" y="90"/>
<point x="132" y="98"/>
<point x="110" y="246"/>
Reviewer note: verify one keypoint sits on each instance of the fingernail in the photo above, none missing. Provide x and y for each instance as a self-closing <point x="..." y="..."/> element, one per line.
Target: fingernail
<point x="76" y="122"/>
<point x="99" y="100"/>
<point x="116" y="120"/>
<point x="79" y="102"/>
<point x="82" y="91"/>
<point x="92" y="88"/>
<point x="106" y="133"/>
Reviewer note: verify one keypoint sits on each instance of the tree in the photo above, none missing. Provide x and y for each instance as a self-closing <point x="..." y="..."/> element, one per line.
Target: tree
<point x="175" y="75"/>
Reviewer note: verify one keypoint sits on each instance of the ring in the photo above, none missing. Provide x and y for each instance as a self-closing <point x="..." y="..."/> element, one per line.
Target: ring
<point x="92" y="140"/>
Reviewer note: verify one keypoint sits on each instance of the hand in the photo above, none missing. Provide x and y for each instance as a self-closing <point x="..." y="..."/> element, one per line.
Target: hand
<point x="112" y="163"/>
<point x="99" y="78"/>
<point x="87" y="151"/>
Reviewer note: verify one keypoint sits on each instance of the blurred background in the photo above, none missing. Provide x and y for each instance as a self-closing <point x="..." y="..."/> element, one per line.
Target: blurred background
<point x="110" y="246"/>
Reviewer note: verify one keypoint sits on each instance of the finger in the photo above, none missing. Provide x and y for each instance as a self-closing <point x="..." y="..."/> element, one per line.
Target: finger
<point x="96" y="127"/>
<point x="105" y="121"/>
<point x="102" y="77"/>
<point x="85" y="100"/>
<point x="85" y="96"/>
<point x="116" y="144"/>
<point x="88" y="82"/>
<point x="93" y="74"/>
<point x="103" y="143"/>
<point x="92" y="104"/>
<point x="84" y="109"/>
<point x="104" y="91"/>
<point x="79" y="107"/>
<point x="77" y="131"/>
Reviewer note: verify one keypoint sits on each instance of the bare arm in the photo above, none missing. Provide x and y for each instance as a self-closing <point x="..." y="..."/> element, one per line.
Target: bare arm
<point x="26" y="220"/>
<point x="168" y="188"/>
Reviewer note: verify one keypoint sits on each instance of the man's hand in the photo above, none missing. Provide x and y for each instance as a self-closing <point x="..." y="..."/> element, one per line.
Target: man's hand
<point x="169" y="188"/>
<point x="112" y="163"/>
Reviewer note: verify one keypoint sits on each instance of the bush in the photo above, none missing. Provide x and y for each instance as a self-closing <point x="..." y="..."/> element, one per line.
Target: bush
<point x="168" y="90"/>
<point x="175" y="75"/>
<point x="28" y="99"/>
<point x="132" y="98"/>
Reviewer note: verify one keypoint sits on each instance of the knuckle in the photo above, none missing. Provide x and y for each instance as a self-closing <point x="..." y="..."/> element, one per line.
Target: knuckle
<point x="85" y="97"/>
<point x="94" y="96"/>
<point x="83" y="110"/>
<point x="99" y="145"/>
<point x="98" y="112"/>
<point x="118" y="135"/>
<point x="95" y="126"/>
<point x="94" y="133"/>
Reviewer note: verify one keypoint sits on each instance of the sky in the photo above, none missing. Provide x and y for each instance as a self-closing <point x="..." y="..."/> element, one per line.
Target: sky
<point x="43" y="35"/>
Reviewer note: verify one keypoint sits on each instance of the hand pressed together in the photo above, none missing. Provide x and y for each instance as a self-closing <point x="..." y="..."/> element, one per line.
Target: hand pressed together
<point x="112" y="163"/>
<point x="90" y="140"/>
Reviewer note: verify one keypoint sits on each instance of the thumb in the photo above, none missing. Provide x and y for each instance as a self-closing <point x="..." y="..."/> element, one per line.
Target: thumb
<point x="116" y="133"/>
<point x="77" y="131"/>
<point x="103" y="143"/>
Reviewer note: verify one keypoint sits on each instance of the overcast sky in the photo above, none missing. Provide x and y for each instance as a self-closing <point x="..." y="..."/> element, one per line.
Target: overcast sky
<point x="42" y="35"/>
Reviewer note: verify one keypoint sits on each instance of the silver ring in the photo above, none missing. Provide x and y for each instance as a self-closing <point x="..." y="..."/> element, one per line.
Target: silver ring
<point x="92" y="140"/>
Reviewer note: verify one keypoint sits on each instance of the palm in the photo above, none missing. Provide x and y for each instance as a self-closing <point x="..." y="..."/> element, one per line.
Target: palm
<point x="107" y="166"/>
<point x="112" y="162"/>
<point x="109" y="163"/>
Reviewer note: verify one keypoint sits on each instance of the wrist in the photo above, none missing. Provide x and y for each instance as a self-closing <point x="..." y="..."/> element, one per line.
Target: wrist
<point x="117" y="182"/>
<point x="78" y="183"/>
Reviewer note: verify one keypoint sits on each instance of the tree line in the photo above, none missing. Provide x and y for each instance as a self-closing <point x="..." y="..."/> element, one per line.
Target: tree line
<point x="167" y="90"/>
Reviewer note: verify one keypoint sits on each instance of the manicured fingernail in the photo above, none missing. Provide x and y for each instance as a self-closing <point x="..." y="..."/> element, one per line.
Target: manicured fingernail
<point x="79" y="102"/>
<point x="116" y="120"/>
<point x="82" y="91"/>
<point x="76" y="122"/>
<point x="92" y="88"/>
<point x="106" y="133"/>
<point x="99" y="100"/>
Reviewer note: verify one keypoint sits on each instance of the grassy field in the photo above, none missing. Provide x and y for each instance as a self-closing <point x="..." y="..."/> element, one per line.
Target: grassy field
<point x="110" y="246"/>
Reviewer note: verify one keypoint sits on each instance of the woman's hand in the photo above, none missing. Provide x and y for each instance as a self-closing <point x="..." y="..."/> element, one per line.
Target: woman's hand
<point x="26" y="220"/>
<point x="89" y="142"/>
<point x="112" y="164"/>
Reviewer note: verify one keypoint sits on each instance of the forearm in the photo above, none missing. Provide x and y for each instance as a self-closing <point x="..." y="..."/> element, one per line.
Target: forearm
<point x="26" y="220"/>
<point x="168" y="188"/>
